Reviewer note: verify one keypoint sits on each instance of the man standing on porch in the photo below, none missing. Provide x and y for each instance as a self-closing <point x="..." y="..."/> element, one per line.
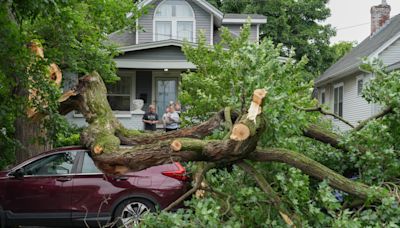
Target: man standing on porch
<point x="150" y="119"/>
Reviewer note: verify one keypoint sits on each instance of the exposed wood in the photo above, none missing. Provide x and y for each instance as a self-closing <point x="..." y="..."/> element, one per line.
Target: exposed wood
<point x="258" y="96"/>
<point x="316" y="170"/>
<point x="55" y="74"/>
<point x="97" y="149"/>
<point x="176" y="145"/>
<point x="240" y="132"/>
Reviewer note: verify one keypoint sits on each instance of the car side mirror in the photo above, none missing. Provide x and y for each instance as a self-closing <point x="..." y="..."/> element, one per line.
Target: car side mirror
<point x="18" y="174"/>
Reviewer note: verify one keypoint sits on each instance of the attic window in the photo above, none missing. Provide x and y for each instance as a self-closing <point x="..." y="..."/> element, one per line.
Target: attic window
<point x="174" y="19"/>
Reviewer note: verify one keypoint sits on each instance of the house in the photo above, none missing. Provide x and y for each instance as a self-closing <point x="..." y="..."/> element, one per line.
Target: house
<point x="340" y="86"/>
<point x="152" y="61"/>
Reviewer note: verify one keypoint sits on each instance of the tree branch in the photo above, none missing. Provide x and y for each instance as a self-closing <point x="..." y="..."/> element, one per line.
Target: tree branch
<point x="324" y="136"/>
<point x="322" y="111"/>
<point x="383" y="113"/>
<point x="264" y="185"/>
<point x="314" y="169"/>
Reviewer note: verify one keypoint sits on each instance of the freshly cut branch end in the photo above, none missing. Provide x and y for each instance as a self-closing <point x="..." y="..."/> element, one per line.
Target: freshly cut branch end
<point x="240" y="132"/>
<point x="176" y="145"/>
<point x="97" y="149"/>
<point x="258" y="96"/>
<point x="55" y="74"/>
<point x="119" y="170"/>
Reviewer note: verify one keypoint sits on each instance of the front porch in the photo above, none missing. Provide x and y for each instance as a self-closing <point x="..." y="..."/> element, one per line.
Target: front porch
<point x="158" y="87"/>
<point x="150" y="72"/>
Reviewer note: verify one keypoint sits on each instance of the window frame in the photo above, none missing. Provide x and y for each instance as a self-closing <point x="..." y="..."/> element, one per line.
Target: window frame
<point x="322" y="98"/>
<point x="74" y="169"/>
<point x="174" y="22"/>
<point x="362" y="79"/>
<point x="337" y="109"/>
<point x="122" y="94"/>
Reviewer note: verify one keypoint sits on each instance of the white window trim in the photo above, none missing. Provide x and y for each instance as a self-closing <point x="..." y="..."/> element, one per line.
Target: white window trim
<point x="358" y="78"/>
<point x="320" y="96"/>
<point x="174" y="22"/>
<point x="337" y="85"/>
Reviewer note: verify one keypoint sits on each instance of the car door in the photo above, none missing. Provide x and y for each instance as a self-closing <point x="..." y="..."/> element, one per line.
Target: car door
<point x="94" y="193"/>
<point x="90" y="193"/>
<point x="44" y="191"/>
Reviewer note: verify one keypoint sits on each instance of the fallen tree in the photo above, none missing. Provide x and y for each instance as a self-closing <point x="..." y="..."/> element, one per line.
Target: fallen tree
<point x="105" y="133"/>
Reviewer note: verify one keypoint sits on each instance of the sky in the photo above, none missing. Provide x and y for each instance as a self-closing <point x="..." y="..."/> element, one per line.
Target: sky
<point x="352" y="18"/>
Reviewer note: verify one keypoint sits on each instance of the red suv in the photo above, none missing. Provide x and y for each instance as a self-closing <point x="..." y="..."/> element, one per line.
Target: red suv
<point x="64" y="188"/>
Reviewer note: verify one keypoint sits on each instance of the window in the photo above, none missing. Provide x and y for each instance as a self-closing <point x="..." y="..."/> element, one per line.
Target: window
<point x="338" y="99"/>
<point x="119" y="94"/>
<point x="360" y="84"/>
<point x="322" y="100"/>
<point x="88" y="165"/>
<point x="174" y="19"/>
<point x="57" y="164"/>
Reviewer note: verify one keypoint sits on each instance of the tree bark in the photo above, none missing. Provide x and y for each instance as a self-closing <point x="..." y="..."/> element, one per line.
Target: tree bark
<point x="31" y="138"/>
<point x="314" y="169"/>
<point x="324" y="136"/>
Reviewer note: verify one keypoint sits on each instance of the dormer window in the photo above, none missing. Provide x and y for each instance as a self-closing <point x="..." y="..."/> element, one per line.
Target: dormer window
<point x="174" y="19"/>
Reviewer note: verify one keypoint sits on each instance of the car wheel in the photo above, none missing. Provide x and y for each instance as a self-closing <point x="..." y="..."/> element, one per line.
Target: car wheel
<point x="130" y="212"/>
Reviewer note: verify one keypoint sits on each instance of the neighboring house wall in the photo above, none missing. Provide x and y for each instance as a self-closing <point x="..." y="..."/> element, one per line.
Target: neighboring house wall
<point x="355" y="107"/>
<point x="202" y="17"/>
<point x="391" y="54"/>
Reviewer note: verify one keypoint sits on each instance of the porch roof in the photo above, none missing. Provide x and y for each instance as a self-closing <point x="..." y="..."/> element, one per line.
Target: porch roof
<point x="149" y="56"/>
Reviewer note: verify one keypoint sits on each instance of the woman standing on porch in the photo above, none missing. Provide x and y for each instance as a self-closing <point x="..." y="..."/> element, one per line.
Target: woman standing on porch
<point x="170" y="119"/>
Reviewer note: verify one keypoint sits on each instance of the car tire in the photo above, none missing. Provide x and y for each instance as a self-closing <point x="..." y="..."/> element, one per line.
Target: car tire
<point x="130" y="212"/>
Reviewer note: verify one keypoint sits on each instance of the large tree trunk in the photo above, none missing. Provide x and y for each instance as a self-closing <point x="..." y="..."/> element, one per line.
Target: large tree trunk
<point x="32" y="139"/>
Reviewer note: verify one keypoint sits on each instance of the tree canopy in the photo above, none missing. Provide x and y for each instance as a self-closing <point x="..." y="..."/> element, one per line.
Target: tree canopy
<point x="295" y="24"/>
<point x="73" y="34"/>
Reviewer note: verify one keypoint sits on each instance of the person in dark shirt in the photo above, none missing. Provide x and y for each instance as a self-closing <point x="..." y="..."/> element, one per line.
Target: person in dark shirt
<point x="150" y="119"/>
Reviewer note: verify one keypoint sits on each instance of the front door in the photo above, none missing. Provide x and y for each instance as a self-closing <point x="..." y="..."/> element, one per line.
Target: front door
<point x="167" y="91"/>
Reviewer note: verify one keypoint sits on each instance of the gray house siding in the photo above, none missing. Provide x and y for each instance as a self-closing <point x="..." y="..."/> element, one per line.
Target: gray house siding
<point x="203" y="21"/>
<point x="146" y="22"/>
<point x="391" y="54"/>
<point x="164" y="53"/>
<point x="355" y="108"/>
<point x="236" y="29"/>
<point x="202" y="17"/>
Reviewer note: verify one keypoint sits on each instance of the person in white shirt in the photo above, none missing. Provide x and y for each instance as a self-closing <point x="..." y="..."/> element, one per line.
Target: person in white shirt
<point x="170" y="119"/>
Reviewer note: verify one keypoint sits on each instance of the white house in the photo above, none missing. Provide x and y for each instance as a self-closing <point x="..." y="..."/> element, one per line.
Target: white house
<point x="151" y="66"/>
<point x="340" y="86"/>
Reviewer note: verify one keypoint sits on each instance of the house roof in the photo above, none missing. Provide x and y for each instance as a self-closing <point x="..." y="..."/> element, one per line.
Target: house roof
<point x="369" y="47"/>
<point x="156" y="44"/>
<point x="123" y="37"/>
<point x="232" y="18"/>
